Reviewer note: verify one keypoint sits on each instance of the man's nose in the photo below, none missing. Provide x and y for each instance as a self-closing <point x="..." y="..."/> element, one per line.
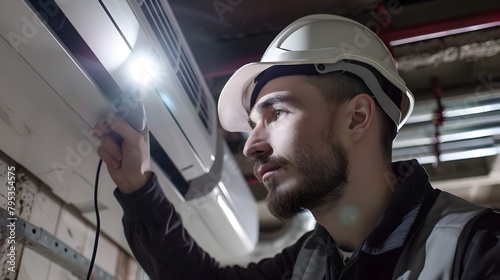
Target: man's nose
<point x="257" y="144"/>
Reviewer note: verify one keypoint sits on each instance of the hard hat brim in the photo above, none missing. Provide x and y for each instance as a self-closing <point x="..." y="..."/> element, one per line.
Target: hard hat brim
<point x="233" y="115"/>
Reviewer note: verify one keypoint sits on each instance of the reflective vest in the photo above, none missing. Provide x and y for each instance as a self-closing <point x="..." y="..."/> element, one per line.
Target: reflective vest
<point x="428" y="254"/>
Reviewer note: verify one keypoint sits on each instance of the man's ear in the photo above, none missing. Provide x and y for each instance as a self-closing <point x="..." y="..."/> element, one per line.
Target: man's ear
<point x="362" y="112"/>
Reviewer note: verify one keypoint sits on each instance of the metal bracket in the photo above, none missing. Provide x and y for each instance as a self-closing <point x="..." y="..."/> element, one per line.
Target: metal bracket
<point x="52" y="248"/>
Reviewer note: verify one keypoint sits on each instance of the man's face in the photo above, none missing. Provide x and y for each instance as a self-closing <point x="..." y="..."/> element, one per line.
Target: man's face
<point x="298" y="156"/>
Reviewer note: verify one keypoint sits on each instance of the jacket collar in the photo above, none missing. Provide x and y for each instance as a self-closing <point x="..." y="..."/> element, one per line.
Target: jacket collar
<point x="391" y="232"/>
<point x="406" y="203"/>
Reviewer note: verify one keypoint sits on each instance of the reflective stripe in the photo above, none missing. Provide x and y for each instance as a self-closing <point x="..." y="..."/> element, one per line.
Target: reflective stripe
<point x="430" y="253"/>
<point x="311" y="261"/>
<point x="442" y="244"/>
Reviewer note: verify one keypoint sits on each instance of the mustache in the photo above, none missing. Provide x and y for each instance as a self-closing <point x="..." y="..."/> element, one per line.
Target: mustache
<point x="271" y="160"/>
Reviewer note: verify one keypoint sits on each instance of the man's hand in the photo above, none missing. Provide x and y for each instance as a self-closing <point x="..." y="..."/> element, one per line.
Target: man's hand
<point x="128" y="162"/>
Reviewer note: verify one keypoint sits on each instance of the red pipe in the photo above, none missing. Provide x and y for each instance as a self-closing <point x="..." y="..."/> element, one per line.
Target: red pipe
<point x="393" y="37"/>
<point x="442" y="28"/>
<point x="438" y="120"/>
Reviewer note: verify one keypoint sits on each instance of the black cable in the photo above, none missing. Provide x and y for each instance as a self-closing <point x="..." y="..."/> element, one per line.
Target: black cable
<point x="98" y="221"/>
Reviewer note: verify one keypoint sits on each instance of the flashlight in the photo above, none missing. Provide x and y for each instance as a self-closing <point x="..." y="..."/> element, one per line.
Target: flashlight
<point x="144" y="70"/>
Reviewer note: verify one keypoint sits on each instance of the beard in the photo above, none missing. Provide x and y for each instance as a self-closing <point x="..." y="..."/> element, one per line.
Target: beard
<point x="321" y="188"/>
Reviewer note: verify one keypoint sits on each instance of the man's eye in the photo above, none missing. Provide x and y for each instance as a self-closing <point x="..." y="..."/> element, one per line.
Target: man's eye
<point x="279" y="112"/>
<point x="252" y="124"/>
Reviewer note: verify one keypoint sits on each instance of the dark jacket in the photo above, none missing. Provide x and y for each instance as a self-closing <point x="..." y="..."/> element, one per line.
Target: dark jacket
<point x="166" y="251"/>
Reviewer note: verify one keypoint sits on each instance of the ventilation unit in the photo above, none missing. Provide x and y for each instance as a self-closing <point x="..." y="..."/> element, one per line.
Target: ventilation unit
<point x="64" y="62"/>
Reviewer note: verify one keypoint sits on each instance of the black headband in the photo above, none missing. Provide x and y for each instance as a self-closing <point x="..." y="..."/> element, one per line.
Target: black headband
<point x="279" y="71"/>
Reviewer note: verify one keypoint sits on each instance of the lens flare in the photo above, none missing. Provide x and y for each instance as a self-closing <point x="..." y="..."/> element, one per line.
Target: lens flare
<point x="144" y="70"/>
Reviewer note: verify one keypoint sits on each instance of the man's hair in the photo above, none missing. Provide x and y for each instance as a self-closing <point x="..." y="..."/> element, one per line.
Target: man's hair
<point x="339" y="88"/>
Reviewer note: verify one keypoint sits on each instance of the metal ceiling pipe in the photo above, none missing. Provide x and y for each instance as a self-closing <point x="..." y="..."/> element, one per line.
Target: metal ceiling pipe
<point x="469" y="52"/>
<point x="441" y="28"/>
<point x="392" y="38"/>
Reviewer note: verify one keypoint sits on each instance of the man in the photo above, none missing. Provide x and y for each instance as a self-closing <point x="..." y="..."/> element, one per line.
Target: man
<point x="322" y="108"/>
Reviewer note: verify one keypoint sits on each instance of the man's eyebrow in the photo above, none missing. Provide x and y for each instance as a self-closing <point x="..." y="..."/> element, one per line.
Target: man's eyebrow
<point x="279" y="98"/>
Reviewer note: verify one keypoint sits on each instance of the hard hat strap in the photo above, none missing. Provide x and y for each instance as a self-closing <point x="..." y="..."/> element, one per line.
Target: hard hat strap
<point x="371" y="82"/>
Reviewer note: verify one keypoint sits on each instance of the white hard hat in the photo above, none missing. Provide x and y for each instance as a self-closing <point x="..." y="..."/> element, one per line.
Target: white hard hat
<point x="329" y="43"/>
